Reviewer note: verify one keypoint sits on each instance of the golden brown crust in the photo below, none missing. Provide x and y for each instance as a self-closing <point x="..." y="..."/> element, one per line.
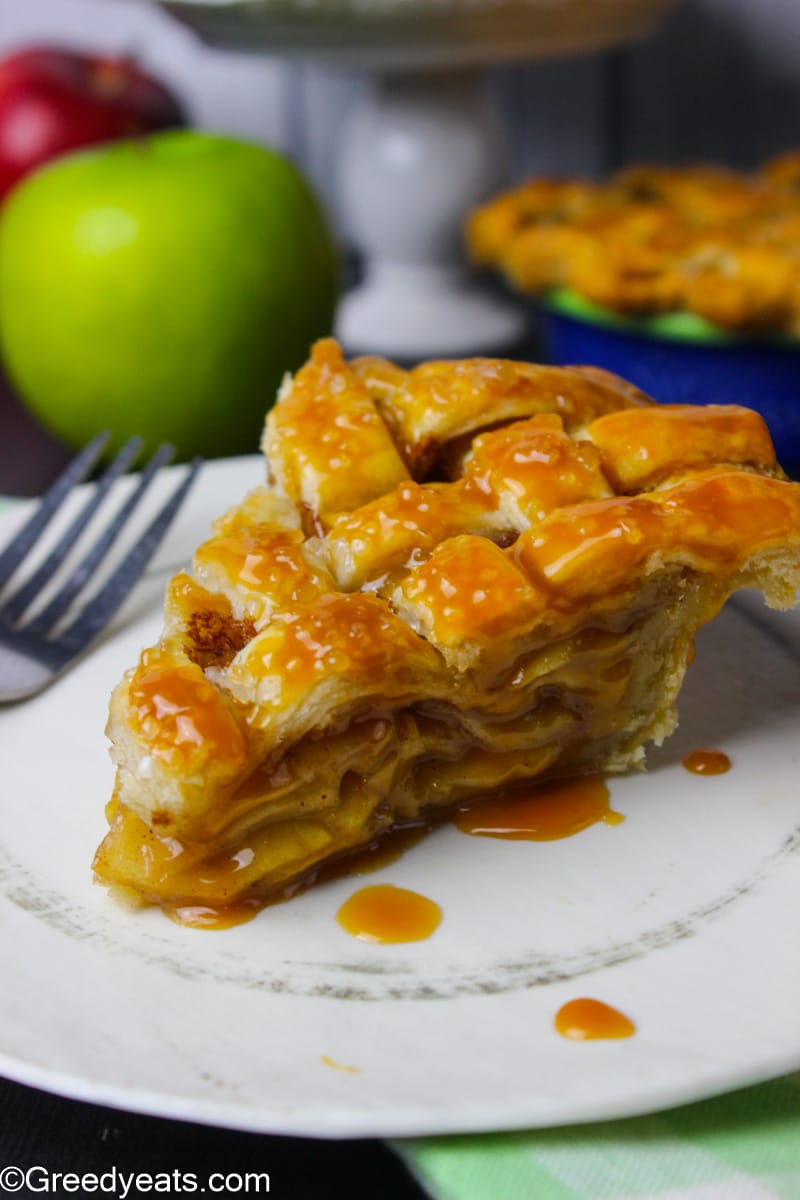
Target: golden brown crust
<point x="657" y="239"/>
<point x="427" y="640"/>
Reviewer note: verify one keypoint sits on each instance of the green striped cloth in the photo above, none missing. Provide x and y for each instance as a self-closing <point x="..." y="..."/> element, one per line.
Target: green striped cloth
<point x="741" y="1146"/>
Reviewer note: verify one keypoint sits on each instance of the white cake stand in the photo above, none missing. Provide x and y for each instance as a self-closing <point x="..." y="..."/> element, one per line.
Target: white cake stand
<point x="425" y="146"/>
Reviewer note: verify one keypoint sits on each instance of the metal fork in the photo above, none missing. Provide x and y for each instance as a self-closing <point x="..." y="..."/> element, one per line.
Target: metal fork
<point x="34" y="652"/>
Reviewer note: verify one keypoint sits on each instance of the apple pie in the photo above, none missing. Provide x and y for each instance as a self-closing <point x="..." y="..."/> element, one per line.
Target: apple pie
<point x="456" y="579"/>
<point x="650" y="240"/>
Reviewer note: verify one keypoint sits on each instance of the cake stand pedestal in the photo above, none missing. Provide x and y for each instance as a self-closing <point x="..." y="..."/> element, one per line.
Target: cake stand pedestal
<point x="416" y="156"/>
<point x="425" y="146"/>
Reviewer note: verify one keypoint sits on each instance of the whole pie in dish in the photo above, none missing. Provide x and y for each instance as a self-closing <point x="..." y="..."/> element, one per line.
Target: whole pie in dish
<point x="457" y="579"/>
<point x="651" y="240"/>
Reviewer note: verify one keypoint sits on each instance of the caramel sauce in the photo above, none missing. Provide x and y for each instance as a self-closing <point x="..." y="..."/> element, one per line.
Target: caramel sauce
<point x="544" y="813"/>
<point x="639" y="444"/>
<point x="389" y="914"/>
<point x="207" y="916"/>
<point x="337" y="1066"/>
<point x="596" y="544"/>
<point x="409" y="521"/>
<point x="327" y="430"/>
<point x="391" y="847"/>
<point x="586" y="1020"/>
<point x="258" y="557"/>
<point x="168" y="865"/>
<point x="707" y="762"/>
<point x="473" y="589"/>
<point x="719" y="519"/>
<point x="354" y="631"/>
<point x="266" y="561"/>
<point x="409" y="517"/>
<point x="468" y="392"/>
<point x="181" y="714"/>
<point x="190" y="596"/>
<point x="545" y="467"/>
<point x="161" y="853"/>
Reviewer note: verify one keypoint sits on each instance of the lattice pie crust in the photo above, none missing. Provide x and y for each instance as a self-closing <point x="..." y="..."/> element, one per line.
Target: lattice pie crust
<point x="457" y="578"/>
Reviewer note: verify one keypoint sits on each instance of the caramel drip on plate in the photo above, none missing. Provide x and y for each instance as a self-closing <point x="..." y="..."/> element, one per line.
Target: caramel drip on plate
<point x="707" y="762"/>
<point x="544" y="813"/>
<point x="327" y="1061"/>
<point x="388" y="914"/>
<point x="374" y="857"/>
<point x="207" y="916"/>
<point x="547" y="812"/>
<point x="586" y="1020"/>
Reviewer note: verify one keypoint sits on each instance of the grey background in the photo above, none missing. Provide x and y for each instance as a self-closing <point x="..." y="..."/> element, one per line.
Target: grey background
<point x="719" y="79"/>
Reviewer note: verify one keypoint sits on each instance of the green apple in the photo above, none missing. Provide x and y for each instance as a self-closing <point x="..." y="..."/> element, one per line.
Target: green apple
<point x="162" y="286"/>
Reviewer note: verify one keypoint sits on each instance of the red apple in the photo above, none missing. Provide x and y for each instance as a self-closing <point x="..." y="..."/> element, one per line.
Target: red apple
<point x="53" y="100"/>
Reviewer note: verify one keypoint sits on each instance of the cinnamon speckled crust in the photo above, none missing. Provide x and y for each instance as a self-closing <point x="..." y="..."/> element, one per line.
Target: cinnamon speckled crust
<point x="361" y="643"/>
<point x="657" y="239"/>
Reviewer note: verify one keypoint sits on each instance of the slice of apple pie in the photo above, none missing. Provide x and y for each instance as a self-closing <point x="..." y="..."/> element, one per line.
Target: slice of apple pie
<point x="458" y="578"/>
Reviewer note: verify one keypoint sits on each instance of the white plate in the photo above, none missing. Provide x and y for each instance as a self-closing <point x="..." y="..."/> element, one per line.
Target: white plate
<point x="684" y="917"/>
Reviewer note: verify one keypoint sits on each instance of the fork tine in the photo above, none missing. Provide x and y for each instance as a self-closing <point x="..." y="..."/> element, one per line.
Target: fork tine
<point x="15" y="606"/>
<point x="45" y="620"/>
<point x="101" y="608"/>
<point x="75" y="472"/>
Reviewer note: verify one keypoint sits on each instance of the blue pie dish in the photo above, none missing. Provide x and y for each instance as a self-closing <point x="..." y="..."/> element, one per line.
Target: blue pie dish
<point x="678" y="358"/>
